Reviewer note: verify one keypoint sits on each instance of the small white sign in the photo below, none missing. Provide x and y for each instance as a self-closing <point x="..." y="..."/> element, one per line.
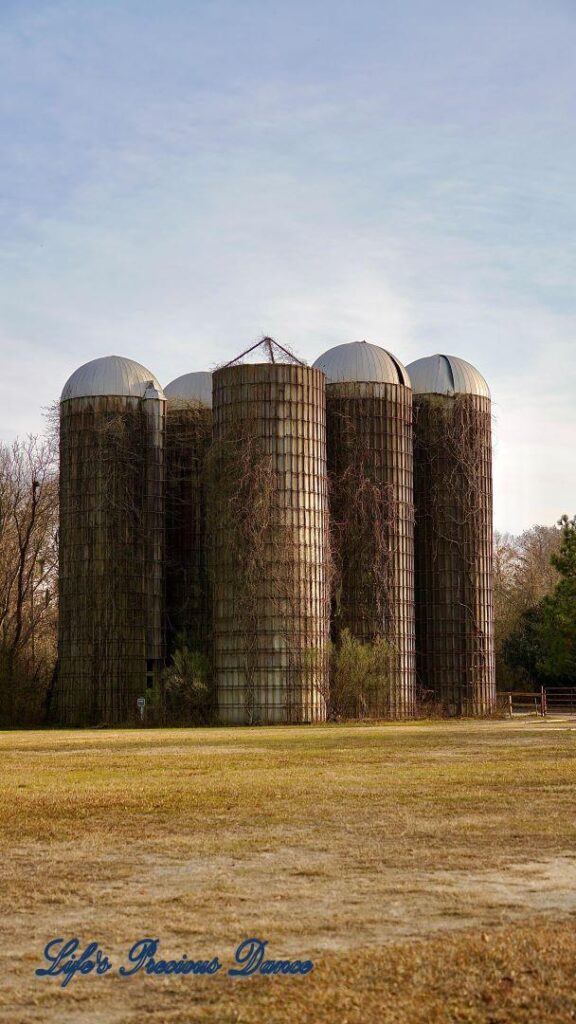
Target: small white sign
<point x="141" y="702"/>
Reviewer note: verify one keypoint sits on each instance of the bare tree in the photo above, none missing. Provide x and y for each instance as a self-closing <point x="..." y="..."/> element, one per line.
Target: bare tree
<point x="28" y="576"/>
<point x="523" y="575"/>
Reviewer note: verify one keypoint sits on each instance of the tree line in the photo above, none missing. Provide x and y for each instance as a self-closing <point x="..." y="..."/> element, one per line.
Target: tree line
<point x="534" y="591"/>
<point x="535" y="607"/>
<point x="28" y="578"/>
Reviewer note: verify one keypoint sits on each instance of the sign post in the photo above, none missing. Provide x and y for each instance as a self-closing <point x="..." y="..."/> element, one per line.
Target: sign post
<point x="141" y="703"/>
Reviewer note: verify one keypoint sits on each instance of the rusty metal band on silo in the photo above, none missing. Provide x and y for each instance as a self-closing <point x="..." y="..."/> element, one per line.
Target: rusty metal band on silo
<point x="188" y="598"/>
<point x="454" y="555"/>
<point x="369" y="428"/>
<point x="111" y="539"/>
<point x="270" y="642"/>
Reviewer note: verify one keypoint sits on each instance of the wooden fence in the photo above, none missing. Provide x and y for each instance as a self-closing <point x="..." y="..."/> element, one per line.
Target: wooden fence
<point x="545" y="701"/>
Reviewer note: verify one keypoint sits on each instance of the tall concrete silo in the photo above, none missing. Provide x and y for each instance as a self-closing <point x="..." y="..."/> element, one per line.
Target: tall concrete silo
<point x="269" y="514"/>
<point x="188" y="438"/>
<point x="111" y="613"/>
<point x="453" y="498"/>
<point x="369" y="436"/>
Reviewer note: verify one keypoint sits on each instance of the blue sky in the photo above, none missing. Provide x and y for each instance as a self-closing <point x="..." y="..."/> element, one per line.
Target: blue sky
<point x="178" y="178"/>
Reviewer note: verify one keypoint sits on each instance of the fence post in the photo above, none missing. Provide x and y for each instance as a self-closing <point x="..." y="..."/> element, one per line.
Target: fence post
<point x="510" y="704"/>
<point x="543" y="706"/>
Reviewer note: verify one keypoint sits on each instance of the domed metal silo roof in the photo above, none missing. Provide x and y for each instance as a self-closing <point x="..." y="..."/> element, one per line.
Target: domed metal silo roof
<point x="191" y="387"/>
<point x="110" y="375"/>
<point x="363" y="362"/>
<point x="446" y="375"/>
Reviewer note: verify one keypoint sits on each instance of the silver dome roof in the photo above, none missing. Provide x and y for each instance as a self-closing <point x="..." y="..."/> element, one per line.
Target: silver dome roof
<point x="446" y="375"/>
<point x="361" y="361"/>
<point x="191" y="387"/>
<point x="110" y="375"/>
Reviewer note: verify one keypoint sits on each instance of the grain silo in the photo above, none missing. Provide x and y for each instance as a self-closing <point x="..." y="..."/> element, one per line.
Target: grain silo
<point x="188" y="437"/>
<point x="111" y="646"/>
<point x="269" y="514"/>
<point x="369" y="437"/>
<point x="453" y="553"/>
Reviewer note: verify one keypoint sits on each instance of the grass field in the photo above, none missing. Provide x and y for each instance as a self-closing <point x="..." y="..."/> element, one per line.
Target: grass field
<point x="429" y="870"/>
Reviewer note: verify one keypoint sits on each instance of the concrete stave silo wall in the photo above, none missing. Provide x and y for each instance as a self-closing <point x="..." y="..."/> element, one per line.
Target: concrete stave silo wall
<point x="269" y="513"/>
<point x="188" y="591"/>
<point x="454" y="551"/>
<point x="369" y="428"/>
<point x="111" y="623"/>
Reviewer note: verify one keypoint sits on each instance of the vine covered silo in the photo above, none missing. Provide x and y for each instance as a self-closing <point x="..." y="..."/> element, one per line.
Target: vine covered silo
<point x="111" y="614"/>
<point x="369" y="439"/>
<point x="269" y="516"/>
<point x="188" y="438"/>
<point x="453" y="499"/>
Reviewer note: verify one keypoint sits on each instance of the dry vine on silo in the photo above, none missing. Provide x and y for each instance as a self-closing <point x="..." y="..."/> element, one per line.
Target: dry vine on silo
<point x="453" y="485"/>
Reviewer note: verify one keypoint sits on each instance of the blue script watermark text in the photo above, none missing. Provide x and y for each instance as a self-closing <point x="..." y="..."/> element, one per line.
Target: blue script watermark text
<point x="65" y="958"/>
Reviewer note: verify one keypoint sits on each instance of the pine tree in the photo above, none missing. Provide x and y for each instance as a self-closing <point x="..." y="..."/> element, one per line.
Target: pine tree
<point x="558" y="623"/>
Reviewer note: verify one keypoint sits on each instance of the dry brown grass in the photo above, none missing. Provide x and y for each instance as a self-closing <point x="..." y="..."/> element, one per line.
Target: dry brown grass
<point x="356" y="845"/>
